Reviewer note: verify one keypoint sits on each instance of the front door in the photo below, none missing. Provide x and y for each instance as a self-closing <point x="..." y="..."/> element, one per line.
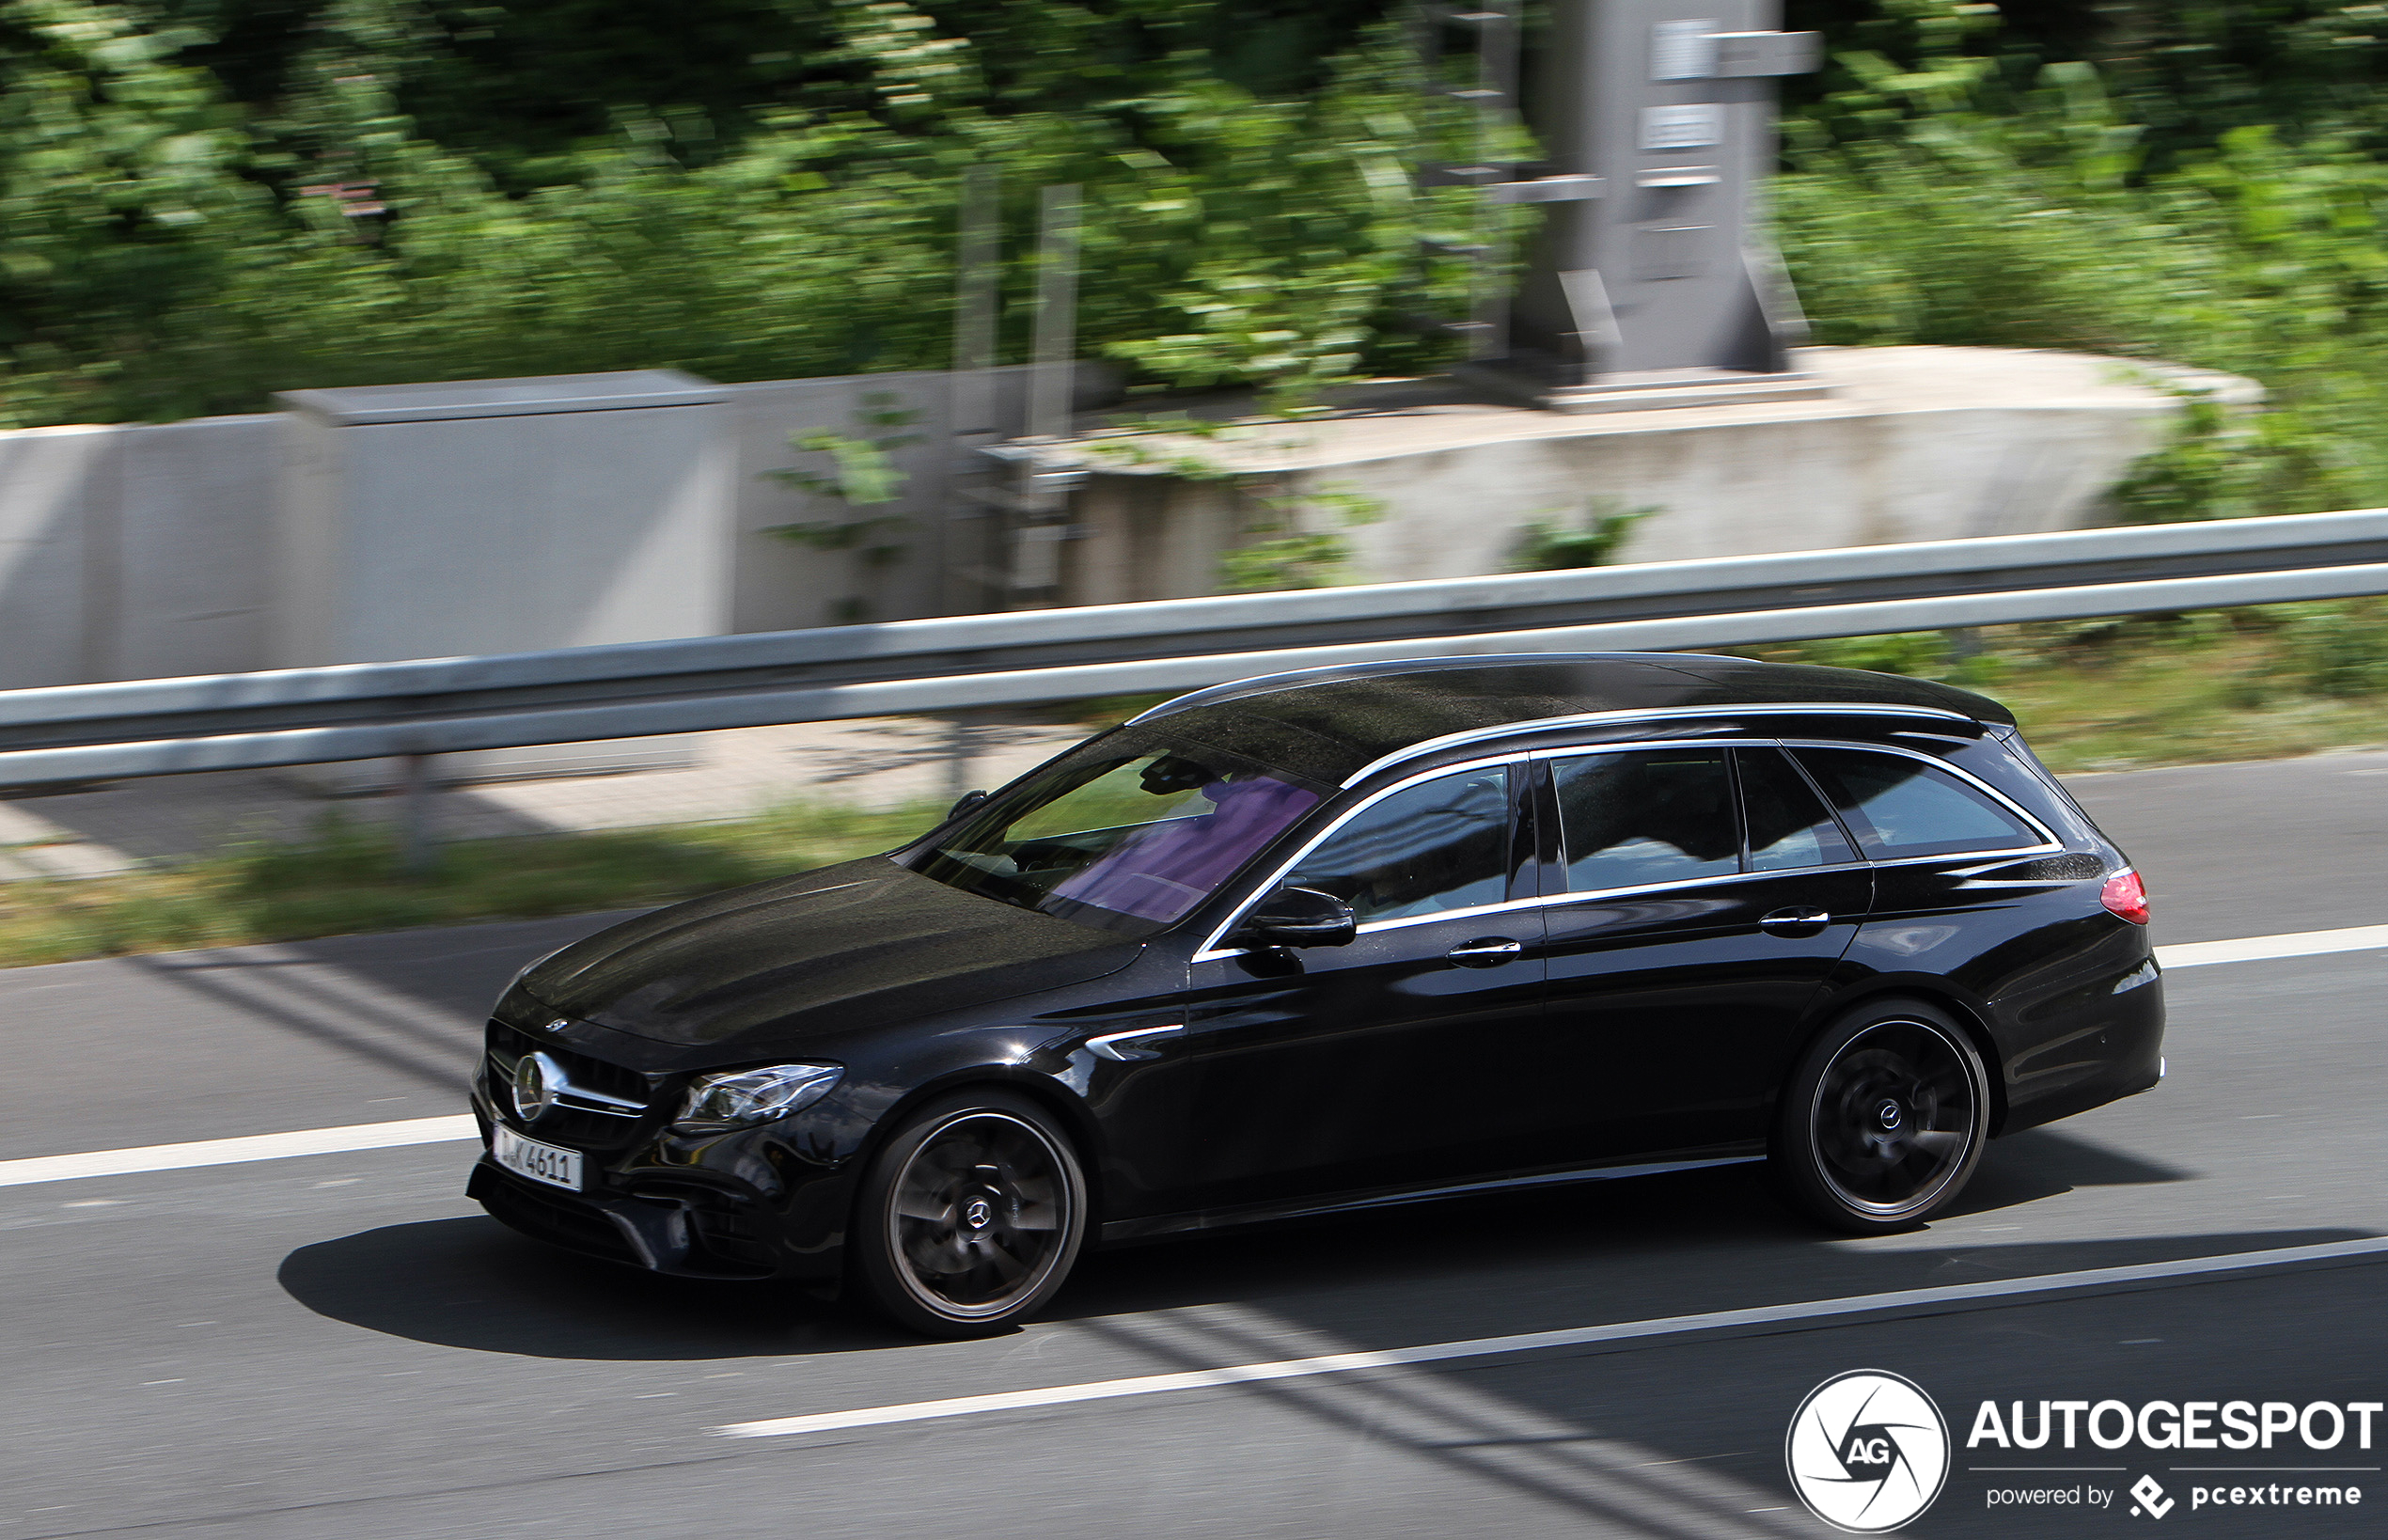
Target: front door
<point x="1335" y="1069"/>
<point x="1697" y="928"/>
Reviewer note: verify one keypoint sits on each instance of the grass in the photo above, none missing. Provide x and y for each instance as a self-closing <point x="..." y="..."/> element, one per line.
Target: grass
<point x="2205" y="687"/>
<point x="2218" y="685"/>
<point x="346" y="880"/>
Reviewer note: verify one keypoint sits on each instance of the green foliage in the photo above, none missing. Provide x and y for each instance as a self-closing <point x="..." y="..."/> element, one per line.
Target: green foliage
<point x="861" y="470"/>
<point x="202" y="202"/>
<point x="165" y="250"/>
<point x="1588" y="541"/>
<point x="2338" y="649"/>
<point x="860" y="474"/>
<point x="1988" y="213"/>
<point x="1295" y="553"/>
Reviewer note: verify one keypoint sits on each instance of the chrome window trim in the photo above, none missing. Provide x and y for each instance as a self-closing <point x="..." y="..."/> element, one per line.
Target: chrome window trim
<point x="1650" y="714"/>
<point x="1636" y="745"/>
<point x="1572" y="896"/>
<point x="1210" y="954"/>
<point x="1404" y="922"/>
<point x="2047" y="837"/>
<point x="1210" y="949"/>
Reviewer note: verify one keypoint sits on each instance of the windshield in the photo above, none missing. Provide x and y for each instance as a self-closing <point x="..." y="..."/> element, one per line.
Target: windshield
<point x="1128" y="832"/>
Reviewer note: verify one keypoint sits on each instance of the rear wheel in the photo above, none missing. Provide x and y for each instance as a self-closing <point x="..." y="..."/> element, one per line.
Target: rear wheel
<point x="970" y="1215"/>
<point x="1884" y="1120"/>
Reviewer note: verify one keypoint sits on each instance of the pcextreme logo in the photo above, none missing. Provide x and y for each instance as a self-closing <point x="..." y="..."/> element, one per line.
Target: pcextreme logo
<point x="1867" y="1451"/>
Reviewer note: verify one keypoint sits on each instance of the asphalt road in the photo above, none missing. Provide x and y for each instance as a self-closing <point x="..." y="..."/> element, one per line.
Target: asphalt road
<point x="339" y="1344"/>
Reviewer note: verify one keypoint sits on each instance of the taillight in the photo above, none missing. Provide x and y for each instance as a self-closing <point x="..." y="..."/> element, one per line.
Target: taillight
<point x="2125" y="895"/>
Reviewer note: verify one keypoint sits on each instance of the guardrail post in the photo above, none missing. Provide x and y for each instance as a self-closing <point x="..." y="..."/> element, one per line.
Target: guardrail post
<point x="960" y="753"/>
<point x="414" y="815"/>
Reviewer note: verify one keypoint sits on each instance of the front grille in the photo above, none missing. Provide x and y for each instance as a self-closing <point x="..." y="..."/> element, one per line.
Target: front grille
<point x="590" y="1121"/>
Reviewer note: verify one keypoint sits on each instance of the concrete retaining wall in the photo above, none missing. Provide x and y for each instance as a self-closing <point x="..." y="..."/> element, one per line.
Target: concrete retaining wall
<point x="139" y="551"/>
<point x="142" y="551"/>
<point x="1914" y="444"/>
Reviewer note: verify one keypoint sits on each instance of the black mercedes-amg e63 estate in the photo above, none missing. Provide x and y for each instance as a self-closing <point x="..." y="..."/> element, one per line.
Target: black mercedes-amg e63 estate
<point x="1339" y="939"/>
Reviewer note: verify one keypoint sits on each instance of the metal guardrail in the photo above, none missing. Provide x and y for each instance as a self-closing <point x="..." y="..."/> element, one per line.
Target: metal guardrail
<point x="575" y="695"/>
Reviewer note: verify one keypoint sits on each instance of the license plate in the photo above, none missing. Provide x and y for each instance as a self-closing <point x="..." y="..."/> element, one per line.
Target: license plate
<point x="540" y="1162"/>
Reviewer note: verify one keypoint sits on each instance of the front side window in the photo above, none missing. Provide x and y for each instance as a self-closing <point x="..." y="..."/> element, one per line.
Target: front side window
<point x="1899" y="807"/>
<point x="1634" y="818"/>
<point x="1440" y="845"/>
<point x="1126" y="833"/>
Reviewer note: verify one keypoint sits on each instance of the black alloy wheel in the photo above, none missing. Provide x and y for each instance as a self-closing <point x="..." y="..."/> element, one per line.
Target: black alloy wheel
<point x="970" y="1215"/>
<point x="1884" y="1120"/>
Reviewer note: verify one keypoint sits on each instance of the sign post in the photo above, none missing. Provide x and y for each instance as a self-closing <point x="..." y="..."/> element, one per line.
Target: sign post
<point x="1652" y="282"/>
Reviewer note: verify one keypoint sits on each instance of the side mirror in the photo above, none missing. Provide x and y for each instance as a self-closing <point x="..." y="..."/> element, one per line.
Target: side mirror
<point x="1296" y="917"/>
<point x="963" y="804"/>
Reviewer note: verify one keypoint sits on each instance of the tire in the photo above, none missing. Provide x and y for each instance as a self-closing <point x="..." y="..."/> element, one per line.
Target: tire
<point x="1884" y="1120"/>
<point x="940" y="1242"/>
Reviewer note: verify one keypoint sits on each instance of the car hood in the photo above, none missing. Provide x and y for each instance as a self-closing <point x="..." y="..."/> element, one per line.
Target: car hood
<point x="841" y="948"/>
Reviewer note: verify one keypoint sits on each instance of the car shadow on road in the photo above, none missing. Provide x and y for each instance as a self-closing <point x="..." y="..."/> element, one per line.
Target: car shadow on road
<point x="2043" y="1162"/>
<point x="1556" y="1257"/>
<point x="473" y="1283"/>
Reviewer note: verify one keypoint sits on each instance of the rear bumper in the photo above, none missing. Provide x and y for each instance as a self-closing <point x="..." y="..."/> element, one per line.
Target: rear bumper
<point x="2125" y="1055"/>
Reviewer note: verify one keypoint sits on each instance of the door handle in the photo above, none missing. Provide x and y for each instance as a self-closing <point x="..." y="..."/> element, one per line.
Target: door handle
<point x="1799" y="920"/>
<point x="1491" y="952"/>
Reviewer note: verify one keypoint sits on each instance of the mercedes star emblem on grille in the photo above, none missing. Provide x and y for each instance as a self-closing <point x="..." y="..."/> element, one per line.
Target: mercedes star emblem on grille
<point x="537" y="1080"/>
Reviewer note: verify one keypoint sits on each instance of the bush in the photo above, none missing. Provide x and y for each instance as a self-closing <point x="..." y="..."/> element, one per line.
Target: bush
<point x="164" y="253"/>
<point x="2338" y="649"/>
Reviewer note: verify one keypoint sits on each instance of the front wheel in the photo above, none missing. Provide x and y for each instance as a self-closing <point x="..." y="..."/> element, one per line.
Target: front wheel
<point x="1884" y="1120"/>
<point x="969" y="1216"/>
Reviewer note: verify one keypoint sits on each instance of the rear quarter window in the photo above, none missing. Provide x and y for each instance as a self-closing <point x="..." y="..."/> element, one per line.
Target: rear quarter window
<point x="1898" y="807"/>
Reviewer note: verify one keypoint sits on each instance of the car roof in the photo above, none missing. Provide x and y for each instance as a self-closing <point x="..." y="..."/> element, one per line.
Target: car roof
<point x="1335" y="724"/>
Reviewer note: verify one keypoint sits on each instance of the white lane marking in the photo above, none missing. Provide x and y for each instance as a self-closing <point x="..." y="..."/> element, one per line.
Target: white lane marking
<point x="225" y="1152"/>
<point x="1335" y="1363"/>
<point x="383" y="1136"/>
<point x="2255" y="949"/>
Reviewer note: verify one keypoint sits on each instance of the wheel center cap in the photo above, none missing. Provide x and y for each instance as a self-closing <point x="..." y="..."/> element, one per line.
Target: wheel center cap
<point x="1890" y="1113"/>
<point x="978" y="1214"/>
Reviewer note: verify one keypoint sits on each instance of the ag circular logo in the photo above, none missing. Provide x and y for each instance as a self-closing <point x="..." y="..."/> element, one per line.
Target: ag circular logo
<point x="1867" y="1451"/>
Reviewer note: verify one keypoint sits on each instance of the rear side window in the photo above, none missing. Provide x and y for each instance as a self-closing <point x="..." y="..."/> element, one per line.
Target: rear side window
<point x="1789" y="825"/>
<point x="1900" y="807"/>
<point x="1627" y="820"/>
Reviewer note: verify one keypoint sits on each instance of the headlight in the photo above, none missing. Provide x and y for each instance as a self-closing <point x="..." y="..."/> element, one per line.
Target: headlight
<point x="746" y="1098"/>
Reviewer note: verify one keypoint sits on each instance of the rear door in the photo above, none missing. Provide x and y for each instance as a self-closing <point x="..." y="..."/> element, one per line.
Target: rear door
<point x="1702" y="896"/>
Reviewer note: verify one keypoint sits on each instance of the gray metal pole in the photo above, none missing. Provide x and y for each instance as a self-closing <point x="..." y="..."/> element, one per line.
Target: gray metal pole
<point x="1057" y="298"/>
<point x="1495" y="99"/>
<point x="977" y="272"/>
<point x="414" y="843"/>
<point x="1041" y="524"/>
<point x="972" y="538"/>
<point x="961" y="755"/>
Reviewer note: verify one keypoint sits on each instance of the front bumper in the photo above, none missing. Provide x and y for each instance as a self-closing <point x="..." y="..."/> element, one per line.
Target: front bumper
<point x="729" y="1207"/>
